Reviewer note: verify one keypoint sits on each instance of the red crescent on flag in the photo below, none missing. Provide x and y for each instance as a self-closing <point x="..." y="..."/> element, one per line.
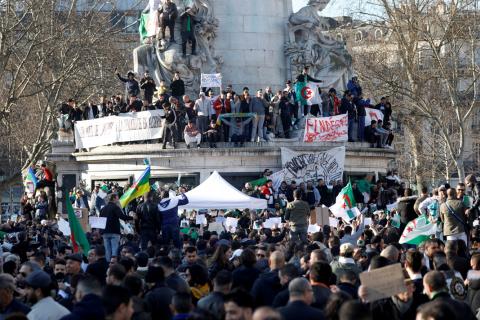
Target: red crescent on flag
<point x="306" y="93"/>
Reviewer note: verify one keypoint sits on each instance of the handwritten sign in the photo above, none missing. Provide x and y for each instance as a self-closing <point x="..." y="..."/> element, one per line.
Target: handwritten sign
<point x="211" y="80"/>
<point x="372" y="114"/>
<point x="304" y="166"/>
<point x="326" y="129"/>
<point x="383" y="282"/>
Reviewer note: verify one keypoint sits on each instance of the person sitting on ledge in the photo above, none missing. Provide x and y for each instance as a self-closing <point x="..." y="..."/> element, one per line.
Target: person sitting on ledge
<point x="191" y="134"/>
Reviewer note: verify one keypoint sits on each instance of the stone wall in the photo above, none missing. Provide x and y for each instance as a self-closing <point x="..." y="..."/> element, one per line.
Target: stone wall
<point x="251" y="40"/>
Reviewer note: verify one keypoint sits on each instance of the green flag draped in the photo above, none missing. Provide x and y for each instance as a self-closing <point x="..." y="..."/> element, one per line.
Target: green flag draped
<point x="299" y="86"/>
<point x="77" y="235"/>
<point x="142" y="27"/>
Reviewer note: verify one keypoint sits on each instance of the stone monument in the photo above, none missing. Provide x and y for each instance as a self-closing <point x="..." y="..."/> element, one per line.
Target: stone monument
<point x="251" y="43"/>
<point x="309" y="44"/>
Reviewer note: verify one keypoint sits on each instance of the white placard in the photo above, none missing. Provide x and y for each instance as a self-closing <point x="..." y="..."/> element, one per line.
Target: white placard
<point x="64" y="227"/>
<point x="211" y="80"/>
<point x="201" y="219"/>
<point x="231" y="222"/>
<point x="392" y="206"/>
<point x="97" y="222"/>
<point x="367" y="221"/>
<point x="313" y="228"/>
<point x="216" y="226"/>
<point x="333" y="222"/>
<point x="220" y="219"/>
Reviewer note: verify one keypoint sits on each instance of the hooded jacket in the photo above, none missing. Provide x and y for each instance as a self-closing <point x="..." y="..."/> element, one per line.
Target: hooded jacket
<point x="169" y="209"/>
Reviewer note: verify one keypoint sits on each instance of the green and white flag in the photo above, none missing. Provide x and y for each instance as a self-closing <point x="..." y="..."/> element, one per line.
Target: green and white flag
<point x="418" y="230"/>
<point x="345" y="206"/>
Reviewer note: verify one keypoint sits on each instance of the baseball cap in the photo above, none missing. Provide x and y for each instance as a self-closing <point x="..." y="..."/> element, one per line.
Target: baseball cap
<point x="38" y="279"/>
<point x="75" y="257"/>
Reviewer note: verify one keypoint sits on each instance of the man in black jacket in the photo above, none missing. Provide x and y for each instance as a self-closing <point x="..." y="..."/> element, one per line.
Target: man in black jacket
<point x="267" y="286"/>
<point x="347" y="106"/>
<point x="168" y="14"/>
<point x="187" y="28"/>
<point x="98" y="269"/>
<point x="147" y="221"/>
<point x="169" y="126"/>
<point x="435" y="286"/>
<point x="111" y="233"/>
<point x="474" y="185"/>
<point x="298" y="307"/>
<point x="148" y="85"/>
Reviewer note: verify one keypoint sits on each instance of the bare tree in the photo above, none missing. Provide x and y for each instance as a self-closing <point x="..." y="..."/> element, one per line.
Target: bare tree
<point x="50" y="50"/>
<point x="429" y="61"/>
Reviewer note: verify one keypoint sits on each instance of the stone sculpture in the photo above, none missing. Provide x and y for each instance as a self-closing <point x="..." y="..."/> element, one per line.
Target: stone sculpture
<point x="308" y="44"/>
<point x="165" y="58"/>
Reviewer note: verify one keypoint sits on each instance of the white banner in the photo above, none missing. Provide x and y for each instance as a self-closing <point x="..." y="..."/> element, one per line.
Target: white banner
<point x="211" y="80"/>
<point x="326" y="129"/>
<point x="302" y="167"/>
<point x="145" y="125"/>
<point x="372" y="114"/>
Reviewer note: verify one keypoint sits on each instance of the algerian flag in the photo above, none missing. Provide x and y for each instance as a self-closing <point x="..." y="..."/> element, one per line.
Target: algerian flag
<point x="308" y="93"/>
<point x="418" y="230"/>
<point x="345" y="206"/>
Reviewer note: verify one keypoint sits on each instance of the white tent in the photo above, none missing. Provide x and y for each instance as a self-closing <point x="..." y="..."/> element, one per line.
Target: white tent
<point x="216" y="193"/>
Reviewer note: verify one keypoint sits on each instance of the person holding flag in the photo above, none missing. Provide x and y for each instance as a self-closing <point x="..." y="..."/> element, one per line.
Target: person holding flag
<point x="77" y="235"/>
<point x="30" y="181"/>
<point x="300" y="84"/>
<point x="345" y="206"/>
<point x="168" y="208"/>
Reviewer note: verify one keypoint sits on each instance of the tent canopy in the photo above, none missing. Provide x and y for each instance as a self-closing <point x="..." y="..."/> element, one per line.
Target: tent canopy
<point x="216" y="193"/>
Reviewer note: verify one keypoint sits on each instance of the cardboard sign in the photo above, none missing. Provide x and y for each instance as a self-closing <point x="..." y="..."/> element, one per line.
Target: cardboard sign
<point x="384" y="282"/>
<point x="82" y="216"/>
<point x="215" y="226"/>
<point x="321" y="216"/>
<point x="97" y="222"/>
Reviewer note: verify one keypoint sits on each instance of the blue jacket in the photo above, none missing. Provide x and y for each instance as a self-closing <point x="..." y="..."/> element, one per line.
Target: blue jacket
<point x="90" y="307"/>
<point x="169" y="209"/>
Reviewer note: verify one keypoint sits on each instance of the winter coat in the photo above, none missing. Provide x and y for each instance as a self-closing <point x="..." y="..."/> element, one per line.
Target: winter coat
<point x="113" y="213"/>
<point x="132" y="85"/>
<point x="90" y="307"/>
<point x="405" y="209"/>
<point x="473" y="294"/>
<point x="178" y="88"/>
<point x="169" y="209"/>
<point x="265" y="288"/>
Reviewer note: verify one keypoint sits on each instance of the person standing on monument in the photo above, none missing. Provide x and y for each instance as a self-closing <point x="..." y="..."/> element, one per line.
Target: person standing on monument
<point x="202" y="108"/>
<point x="305" y="77"/>
<point x="187" y="22"/>
<point x="169" y="127"/>
<point x="148" y="85"/>
<point x="177" y="86"/>
<point x="168" y="14"/>
<point x="131" y="84"/>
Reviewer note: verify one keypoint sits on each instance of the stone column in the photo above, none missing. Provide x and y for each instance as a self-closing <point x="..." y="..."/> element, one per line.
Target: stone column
<point x="251" y="37"/>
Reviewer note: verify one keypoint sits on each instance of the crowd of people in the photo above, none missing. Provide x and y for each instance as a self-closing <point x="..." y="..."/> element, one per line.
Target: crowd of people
<point x="234" y="117"/>
<point x="174" y="267"/>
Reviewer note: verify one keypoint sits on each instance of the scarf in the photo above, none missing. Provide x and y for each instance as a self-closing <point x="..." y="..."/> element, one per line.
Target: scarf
<point x="200" y="291"/>
<point x="189" y="28"/>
